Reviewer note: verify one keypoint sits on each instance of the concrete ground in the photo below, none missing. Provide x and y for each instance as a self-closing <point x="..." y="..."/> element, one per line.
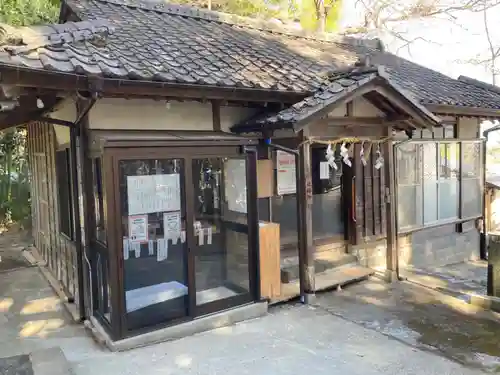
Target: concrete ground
<point x="462" y="278"/>
<point x="292" y="339"/>
<point x="421" y="318"/>
<point x="369" y="328"/>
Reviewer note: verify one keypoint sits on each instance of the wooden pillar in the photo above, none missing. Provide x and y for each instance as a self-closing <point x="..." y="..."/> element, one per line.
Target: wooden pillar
<point x="390" y="196"/>
<point x="87" y="214"/>
<point x="493" y="285"/>
<point x="304" y="198"/>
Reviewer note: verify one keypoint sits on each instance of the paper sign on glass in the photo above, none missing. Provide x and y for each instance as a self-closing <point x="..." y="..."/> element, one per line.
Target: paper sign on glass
<point x="162" y="249"/>
<point x="155" y="193"/>
<point x="125" y="248"/>
<point x="138" y="228"/>
<point x="235" y="185"/>
<point x="285" y="170"/>
<point x="172" y="225"/>
<point x="324" y="170"/>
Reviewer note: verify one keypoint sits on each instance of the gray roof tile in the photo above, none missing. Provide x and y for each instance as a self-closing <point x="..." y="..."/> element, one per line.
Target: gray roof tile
<point x="156" y="41"/>
<point x="335" y="88"/>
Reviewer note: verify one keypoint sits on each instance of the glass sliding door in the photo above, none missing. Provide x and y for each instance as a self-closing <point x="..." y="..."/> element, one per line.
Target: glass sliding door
<point x="220" y="245"/>
<point x="154" y="245"/>
<point x="186" y="233"/>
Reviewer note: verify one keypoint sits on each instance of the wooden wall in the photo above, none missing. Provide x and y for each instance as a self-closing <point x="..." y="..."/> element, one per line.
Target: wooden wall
<point x="57" y="250"/>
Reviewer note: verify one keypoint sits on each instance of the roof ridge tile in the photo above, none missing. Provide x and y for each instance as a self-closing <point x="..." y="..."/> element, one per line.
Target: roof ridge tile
<point x="21" y="40"/>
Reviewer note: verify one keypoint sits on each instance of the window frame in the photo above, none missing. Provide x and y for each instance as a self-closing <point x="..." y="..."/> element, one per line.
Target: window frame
<point x="65" y="186"/>
<point x="460" y="143"/>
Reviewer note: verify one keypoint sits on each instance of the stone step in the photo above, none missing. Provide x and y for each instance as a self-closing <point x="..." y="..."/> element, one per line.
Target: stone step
<point x="327" y="280"/>
<point x="50" y="361"/>
<point x="290" y="271"/>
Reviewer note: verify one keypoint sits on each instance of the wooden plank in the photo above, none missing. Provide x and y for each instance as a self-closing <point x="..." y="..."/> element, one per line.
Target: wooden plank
<point x="269" y="259"/>
<point x="265" y="178"/>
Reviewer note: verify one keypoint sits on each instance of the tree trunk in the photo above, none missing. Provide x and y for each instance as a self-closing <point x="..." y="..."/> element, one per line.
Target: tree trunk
<point x="321" y="15"/>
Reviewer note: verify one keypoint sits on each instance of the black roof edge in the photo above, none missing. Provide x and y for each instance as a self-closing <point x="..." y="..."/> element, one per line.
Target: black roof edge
<point x="250" y="126"/>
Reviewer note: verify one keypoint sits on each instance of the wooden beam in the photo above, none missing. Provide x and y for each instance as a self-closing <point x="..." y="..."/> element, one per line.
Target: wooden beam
<point x="362" y="121"/>
<point x="445" y="109"/>
<point x="404" y="106"/>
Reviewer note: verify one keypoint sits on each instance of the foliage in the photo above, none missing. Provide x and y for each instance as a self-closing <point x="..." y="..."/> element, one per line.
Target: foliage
<point x="308" y="12"/>
<point x="254" y="8"/>
<point x="14" y="177"/>
<point x="28" y="12"/>
<point x="310" y="17"/>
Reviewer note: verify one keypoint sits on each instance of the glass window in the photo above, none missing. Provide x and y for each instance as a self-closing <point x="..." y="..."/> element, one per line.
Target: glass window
<point x="99" y="202"/>
<point x="436" y="193"/>
<point x="284" y="212"/>
<point x="472" y="197"/>
<point x="221" y="229"/>
<point x="430" y="186"/>
<point x="65" y="193"/>
<point x="327" y="218"/>
<point x="409" y="185"/>
<point x="154" y="240"/>
<point x="448" y="180"/>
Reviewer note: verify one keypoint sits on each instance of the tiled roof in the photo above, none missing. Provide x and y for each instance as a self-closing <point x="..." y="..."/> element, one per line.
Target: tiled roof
<point x="176" y="44"/>
<point x="334" y="89"/>
<point x="54" y="47"/>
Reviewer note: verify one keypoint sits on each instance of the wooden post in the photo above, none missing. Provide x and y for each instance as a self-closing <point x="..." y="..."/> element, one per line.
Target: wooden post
<point x="306" y="248"/>
<point x="493" y="285"/>
<point x="216" y="122"/>
<point x="83" y="253"/>
<point x="390" y="196"/>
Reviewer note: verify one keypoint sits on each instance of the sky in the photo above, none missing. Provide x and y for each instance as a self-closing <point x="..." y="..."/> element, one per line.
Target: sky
<point x="446" y="43"/>
<point x="447" y="46"/>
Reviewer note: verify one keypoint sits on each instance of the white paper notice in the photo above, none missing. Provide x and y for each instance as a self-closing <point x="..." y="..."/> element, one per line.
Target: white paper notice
<point x="137" y="249"/>
<point x="125" y="248"/>
<point x="172" y="225"/>
<point x="236" y="185"/>
<point x="201" y="237"/>
<point x="183" y="236"/>
<point x="324" y="170"/>
<point x="162" y="249"/>
<point x="209" y="235"/>
<point x="138" y="228"/>
<point x="285" y="167"/>
<point x="155" y="193"/>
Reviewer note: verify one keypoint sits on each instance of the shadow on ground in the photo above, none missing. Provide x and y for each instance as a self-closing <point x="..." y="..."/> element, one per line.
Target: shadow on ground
<point x="32" y="317"/>
<point x="421" y="317"/>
